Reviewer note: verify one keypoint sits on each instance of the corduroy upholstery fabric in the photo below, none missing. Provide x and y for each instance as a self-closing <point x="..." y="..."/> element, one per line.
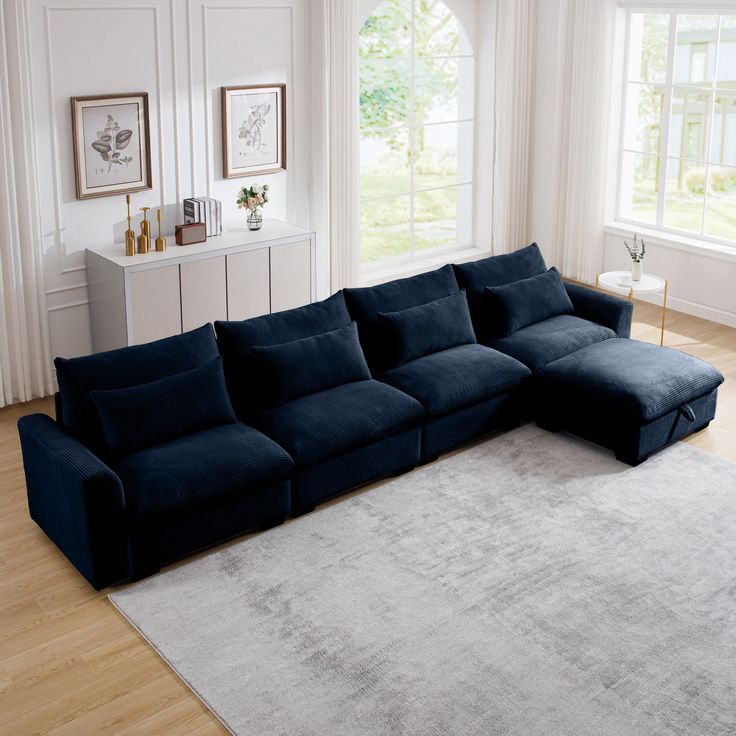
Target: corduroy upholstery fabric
<point x="449" y="431"/>
<point x="312" y="364"/>
<point x="398" y="453"/>
<point x="320" y="426"/>
<point x="528" y="301"/>
<point x="475" y="276"/>
<point x="142" y="416"/>
<point x="537" y="345"/>
<point x="427" y="328"/>
<point x="198" y="469"/>
<point x="123" y="368"/>
<point x="365" y="303"/>
<point x="634" y="380"/>
<point x="456" y="378"/>
<point x="632" y="442"/>
<point x="76" y="499"/>
<point x="235" y="340"/>
<point x="605" y="309"/>
<point x="158" y="541"/>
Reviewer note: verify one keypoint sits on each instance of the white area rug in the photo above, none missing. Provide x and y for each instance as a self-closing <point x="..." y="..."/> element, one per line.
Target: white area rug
<point x="530" y="586"/>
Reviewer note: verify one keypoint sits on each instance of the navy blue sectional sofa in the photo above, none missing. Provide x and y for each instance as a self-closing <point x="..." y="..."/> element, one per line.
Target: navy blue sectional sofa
<point x="162" y="449"/>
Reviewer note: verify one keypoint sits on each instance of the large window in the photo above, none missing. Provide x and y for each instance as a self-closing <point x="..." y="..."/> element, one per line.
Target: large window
<point x="416" y="131"/>
<point x="678" y="158"/>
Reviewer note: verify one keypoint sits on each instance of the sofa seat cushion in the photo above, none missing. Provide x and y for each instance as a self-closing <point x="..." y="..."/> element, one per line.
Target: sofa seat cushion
<point x="329" y="423"/>
<point x="198" y="469"/>
<point x="537" y="345"/>
<point x="453" y="379"/>
<point x="635" y="381"/>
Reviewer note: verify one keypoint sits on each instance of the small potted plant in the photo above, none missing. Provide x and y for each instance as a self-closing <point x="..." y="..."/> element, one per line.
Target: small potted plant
<point x="252" y="198"/>
<point x="636" y="251"/>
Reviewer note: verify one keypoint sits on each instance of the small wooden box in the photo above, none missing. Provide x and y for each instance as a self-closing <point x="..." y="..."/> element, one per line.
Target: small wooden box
<point x="193" y="232"/>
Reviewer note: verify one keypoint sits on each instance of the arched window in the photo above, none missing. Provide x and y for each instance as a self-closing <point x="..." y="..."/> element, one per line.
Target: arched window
<point x="416" y="131"/>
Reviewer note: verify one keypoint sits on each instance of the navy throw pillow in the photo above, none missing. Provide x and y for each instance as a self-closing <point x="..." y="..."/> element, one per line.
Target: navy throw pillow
<point x="475" y="276"/>
<point x="312" y="364"/>
<point x="235" y="341"/>
<point x="140" y="416"/>
<point x="529" y="301"/>
<point x="428" y="328"/>
<point x="364" y="304"/>
<point x="123" y="368"/>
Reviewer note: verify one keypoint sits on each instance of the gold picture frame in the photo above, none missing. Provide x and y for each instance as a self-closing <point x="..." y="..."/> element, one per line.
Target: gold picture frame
<point x="112" y="144"/>
<point x="253" y="130"/>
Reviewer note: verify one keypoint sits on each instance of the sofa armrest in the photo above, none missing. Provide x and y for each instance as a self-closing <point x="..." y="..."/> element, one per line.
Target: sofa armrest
<point x="76" y="499"/>
<point x="609" y="311"/>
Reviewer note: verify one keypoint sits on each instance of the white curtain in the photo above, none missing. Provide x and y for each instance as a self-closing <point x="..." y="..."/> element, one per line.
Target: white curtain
<point x="335" y="147"/>
<point x="586" y="112"/>
<point x="25" y="362"/>
<point x="514" y="86"/>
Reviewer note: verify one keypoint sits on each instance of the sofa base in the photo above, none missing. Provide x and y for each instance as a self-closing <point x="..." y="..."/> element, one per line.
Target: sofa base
<point x="158" y="542"/>
<point x="451" y="431"/>
<point x="316" y="484"/>
<point x="632" y="443"/>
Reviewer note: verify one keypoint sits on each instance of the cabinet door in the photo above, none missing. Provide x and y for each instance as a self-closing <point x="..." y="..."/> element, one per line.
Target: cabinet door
<point x="291" y="276"/>
<point x="248" y="289"/>
<point x="155" y="304"/>
<point x="203" y="292"/>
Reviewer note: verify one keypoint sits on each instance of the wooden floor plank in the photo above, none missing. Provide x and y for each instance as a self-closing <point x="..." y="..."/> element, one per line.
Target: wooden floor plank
<point x="91" y="673"/>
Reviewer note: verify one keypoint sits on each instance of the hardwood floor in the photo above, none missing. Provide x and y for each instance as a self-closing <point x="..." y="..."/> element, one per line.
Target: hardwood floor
<point x="71" y="665"/>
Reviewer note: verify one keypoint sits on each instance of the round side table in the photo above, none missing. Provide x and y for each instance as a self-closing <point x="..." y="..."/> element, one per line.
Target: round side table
<point x="621" y="281"/>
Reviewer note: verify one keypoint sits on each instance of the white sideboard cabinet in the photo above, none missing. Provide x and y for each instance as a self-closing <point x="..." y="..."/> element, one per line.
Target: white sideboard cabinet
<point x="236" y="275"/>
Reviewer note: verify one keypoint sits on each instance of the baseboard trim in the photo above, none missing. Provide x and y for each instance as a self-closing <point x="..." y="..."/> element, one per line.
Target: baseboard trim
<point x="676" y="304"/>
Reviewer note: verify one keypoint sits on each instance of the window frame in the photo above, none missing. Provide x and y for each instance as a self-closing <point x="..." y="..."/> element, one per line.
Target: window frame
<point x="410" y="127"/>
<point x="662" y="153"/>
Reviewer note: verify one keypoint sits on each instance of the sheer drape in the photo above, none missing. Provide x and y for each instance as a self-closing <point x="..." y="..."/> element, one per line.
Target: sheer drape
<point x="586" y="111"/>
<point x="514" y="85"/>
<point x="25" y="364"/>
<point x="335" y="122"/>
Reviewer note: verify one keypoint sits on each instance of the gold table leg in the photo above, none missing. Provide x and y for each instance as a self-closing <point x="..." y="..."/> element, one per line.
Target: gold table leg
<point x="596" y="282"/>
<point x="664" y="313"/>
<point x="631" y="294"/>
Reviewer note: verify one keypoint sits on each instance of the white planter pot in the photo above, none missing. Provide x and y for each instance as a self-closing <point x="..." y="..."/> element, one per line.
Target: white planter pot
<point x="636" y="271"/>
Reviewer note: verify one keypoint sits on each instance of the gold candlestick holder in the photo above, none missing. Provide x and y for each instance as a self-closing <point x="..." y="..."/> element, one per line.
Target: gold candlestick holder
<point x="144" y="243"/>
<point x="160" y="242"/>
<point x="129" y="233"/>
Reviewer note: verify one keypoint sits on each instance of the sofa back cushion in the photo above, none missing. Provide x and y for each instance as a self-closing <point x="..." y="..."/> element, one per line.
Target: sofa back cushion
<point x="528" y="301"/>
<point x="123" y="368"/>
<point x="365" y="303"/>
<point x="312" y="364"/>
<point x="475" y="276"/>
<point x="141" y="416"/>
<point x="236" y="340"/>
<point x="428" y="328"/>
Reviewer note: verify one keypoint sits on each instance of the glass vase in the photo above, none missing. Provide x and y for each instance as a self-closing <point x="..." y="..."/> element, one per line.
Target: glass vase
<point x="255" y="220"/>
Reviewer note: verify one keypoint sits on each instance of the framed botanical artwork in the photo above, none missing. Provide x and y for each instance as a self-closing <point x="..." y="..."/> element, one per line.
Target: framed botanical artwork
<point x="112" y="145"/>
<point x="253" y="130"/>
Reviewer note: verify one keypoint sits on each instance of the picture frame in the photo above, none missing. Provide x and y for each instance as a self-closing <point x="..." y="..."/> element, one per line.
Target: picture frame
<point x="112" y="144"/>
<point x="253" y="130"/>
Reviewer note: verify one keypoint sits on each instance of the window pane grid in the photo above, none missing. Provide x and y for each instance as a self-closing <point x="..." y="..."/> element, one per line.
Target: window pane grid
<point x="694" y="194"/>
<point x="422" y="213"/>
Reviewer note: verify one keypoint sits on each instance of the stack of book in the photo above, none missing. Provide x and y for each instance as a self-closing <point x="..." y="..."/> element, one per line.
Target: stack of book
<point x="205" y="210"/>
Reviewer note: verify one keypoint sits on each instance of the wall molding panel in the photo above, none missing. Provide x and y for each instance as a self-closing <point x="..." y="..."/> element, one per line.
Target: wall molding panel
<point x="181" y="54"/>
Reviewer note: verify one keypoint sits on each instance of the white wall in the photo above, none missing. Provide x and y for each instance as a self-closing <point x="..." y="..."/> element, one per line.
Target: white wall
<point x="181" y="54"/>
<point x="701" y="282"/>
